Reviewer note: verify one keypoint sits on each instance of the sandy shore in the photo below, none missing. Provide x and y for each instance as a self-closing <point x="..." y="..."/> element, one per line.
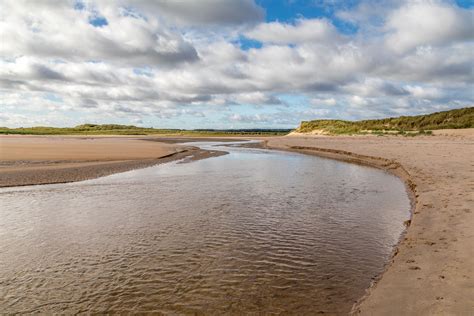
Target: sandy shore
<point x="28" y="160"/>
<point x="432" y="271"/>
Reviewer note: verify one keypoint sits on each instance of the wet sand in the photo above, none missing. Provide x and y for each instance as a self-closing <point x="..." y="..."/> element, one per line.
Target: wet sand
<point x="432" y="270"/>
<point x="29" y="160"/>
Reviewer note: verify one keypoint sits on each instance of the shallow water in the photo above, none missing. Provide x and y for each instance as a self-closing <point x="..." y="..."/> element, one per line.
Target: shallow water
<point x="250" y="232"/>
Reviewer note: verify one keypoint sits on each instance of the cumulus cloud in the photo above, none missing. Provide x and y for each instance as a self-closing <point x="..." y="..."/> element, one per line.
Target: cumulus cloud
<point x="258" y="98"/>
<point x="427" y="23"/>
<point x="280" y="118"/>
<point x="205" y="12"/>
<point x="132" y="60"/>
<point x="63" y="31"/>
<point x="323" y="101"/>
<point x="424" y="92"/>
<point x="303" y="31"/>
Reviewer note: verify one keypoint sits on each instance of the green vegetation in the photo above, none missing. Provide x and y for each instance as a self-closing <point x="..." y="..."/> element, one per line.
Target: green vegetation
<point x="115" y="129"/>
<point x="404" y="125"/>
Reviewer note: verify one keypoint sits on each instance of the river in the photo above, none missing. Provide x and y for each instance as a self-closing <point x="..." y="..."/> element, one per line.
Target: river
<point x="255" y="231"/>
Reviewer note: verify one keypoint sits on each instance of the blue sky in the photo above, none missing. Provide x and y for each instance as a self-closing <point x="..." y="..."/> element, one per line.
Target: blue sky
<point x="232" y="64"/>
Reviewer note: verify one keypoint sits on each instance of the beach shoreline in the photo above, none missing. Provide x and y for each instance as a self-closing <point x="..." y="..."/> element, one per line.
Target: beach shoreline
<point x="386" y="165"/>
<point x="430" y="271"/>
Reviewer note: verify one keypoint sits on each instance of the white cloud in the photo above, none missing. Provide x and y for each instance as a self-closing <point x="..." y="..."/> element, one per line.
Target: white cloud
<point x="326" y="101"/>
<point x="280" y="118"/>
<point x="57" y="30"/>
<point x="154" y="60"/>
<point x="358" y="101"/>
<point x="424" y="92"/>
<point x="303" y="31"/>
<point x="255" y="98"/>
<point x="427" y="23"/>
<point x="204" y="12"/>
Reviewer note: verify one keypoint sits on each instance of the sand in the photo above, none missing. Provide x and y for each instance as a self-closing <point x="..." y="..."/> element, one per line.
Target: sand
<point x="29" y="160"/>
<point x="79" y="148"/>
<point x="432" y="270"/>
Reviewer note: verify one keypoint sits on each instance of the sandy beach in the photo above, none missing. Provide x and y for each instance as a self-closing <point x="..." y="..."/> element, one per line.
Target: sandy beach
<point x="29" y="160"/>
<point x="432" y="270"/>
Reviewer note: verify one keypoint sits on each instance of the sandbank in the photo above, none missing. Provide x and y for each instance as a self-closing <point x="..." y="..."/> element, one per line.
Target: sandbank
<point x="31" y="160"/>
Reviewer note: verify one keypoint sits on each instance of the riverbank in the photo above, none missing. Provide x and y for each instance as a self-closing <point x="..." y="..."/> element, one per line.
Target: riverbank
<point x="31" y="160"/>
<point x="432" y="271"/>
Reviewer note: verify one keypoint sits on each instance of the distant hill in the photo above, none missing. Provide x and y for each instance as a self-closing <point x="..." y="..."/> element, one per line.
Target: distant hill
<point x="459" y="118"/>
<point x="116" y="129"/>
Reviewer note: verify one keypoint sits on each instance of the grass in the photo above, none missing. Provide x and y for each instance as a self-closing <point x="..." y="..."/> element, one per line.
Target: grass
<point x="403" y="125"/>
<point x="115" y="129"/>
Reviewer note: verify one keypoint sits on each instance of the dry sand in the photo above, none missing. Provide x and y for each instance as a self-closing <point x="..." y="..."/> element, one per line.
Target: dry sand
<point x="14" y="148"/>
<point x="432" y="271"/>
<point x="27" y="160"/>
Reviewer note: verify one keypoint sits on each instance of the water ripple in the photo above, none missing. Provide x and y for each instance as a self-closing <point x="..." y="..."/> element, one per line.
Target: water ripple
<point x="246" y="233"/>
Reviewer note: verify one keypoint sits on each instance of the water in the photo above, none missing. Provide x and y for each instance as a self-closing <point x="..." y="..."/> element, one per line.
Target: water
<point x="252" y="232"/>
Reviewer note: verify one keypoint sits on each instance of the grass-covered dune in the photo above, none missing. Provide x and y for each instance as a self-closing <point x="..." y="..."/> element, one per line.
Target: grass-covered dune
<point x="115" y="129"/>
<point x="459" y="118"/>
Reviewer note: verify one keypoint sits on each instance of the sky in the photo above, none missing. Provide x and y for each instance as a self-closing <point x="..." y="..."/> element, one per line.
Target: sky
<point x="227" y="64"/>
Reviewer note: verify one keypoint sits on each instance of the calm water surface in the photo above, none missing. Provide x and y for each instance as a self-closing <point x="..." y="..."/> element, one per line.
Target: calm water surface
<point x="252" y="232"/>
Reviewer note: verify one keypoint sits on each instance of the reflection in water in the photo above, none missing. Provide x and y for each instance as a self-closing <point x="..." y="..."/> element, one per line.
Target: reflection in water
<point x="252" y="231"/>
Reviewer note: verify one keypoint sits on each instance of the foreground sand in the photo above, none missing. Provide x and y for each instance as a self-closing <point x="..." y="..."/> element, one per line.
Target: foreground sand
<point x="432" y="273"/>
<point x="27" y="160"/>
